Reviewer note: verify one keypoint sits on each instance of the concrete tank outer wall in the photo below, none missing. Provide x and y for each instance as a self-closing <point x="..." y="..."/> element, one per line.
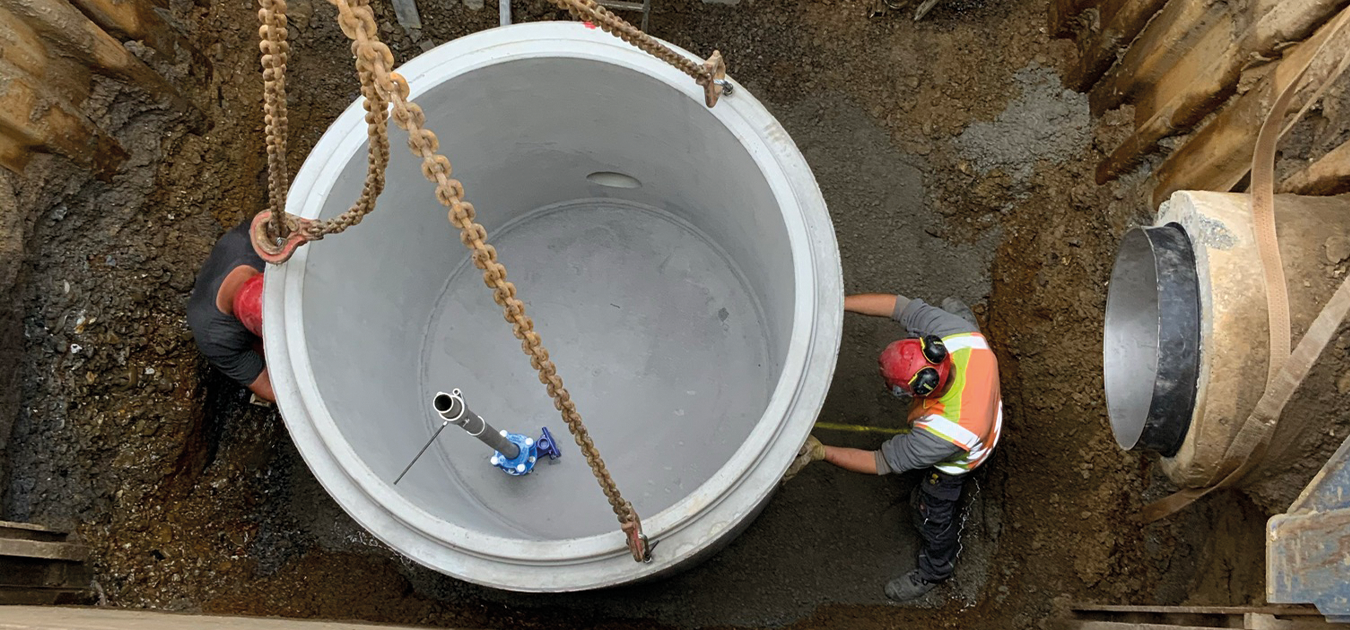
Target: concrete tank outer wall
<point x="692" y="529"/>
<point x="1234" y="328"/>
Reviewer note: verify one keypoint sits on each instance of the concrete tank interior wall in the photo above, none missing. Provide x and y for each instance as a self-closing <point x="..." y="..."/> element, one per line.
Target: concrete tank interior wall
<point x="680" y="265"/>
<point x="376" y="287"/>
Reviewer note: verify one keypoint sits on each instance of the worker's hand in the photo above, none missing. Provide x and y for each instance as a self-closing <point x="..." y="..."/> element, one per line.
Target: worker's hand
<point x="812" y="451"/>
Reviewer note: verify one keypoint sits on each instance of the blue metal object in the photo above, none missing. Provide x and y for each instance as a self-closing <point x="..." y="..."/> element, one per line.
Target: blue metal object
<point x="530" y="452"/>
<point x="1306" y="548"/>
<point x="521" y="464"/>
<point x="546" y="445"/>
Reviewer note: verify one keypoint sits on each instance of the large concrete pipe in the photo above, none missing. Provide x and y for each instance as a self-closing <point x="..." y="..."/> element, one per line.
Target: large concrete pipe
<point x="1186" y="335"/>
<point x="680" y="265"/>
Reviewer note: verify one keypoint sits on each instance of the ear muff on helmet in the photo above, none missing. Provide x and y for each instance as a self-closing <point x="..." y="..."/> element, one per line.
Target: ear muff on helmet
<point x="927" y="380"/>
<point x="933" y="349"/>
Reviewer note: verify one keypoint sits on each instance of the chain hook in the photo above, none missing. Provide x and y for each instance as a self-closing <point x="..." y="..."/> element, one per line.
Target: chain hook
<point x="638" y="544"/>
<point x="714" y="81"/>
<point x="276" y="249"/>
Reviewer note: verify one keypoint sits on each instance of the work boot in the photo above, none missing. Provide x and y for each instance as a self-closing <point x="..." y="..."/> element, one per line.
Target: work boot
<point x="958" y="308"/>
<point x="908" y="587"/>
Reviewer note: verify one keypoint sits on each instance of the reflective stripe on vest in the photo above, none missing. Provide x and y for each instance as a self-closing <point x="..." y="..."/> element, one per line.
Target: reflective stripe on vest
<point x="969" y="460"/>
<point x="970" y="413"/>
<point x="967" y="341"/>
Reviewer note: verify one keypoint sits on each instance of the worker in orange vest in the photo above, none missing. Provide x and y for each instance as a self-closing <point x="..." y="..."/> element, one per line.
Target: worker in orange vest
<point x="950" y="376"/>
<point x="225" y="312"/>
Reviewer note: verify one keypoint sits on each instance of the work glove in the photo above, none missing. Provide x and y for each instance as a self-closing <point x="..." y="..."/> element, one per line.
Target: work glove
<point x="812" y="451"/>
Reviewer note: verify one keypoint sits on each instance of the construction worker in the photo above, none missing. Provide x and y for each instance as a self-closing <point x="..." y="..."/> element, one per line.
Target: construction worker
<point x="948" y="373"/>
<point x="225" y="312"/>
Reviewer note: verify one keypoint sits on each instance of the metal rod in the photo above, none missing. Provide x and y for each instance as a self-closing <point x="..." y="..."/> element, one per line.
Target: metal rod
<point x="504" y="12"/>
<point x="419" y="453"/>
<point x="451" y="407"/>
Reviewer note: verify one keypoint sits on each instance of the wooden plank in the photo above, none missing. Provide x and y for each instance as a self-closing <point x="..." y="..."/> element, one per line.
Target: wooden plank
<point x="1109" y="9"/>
<point x="43" y="618"/>
<point x="25" y="596"/>
<point x="1207" y="74"/>
<point x="14" y="155"/>
<point x="21" y="47"/>
<point x="1218" y="156"/>
<point x="1171" y="32"/>
<point x="1329" y="175"/>
<point x="65" y="552"/>
<point x="37" y="120"/>
<point x="1283" y="611"/>
<point x="69" y="31"/>
<point x="138" y="20"/>
<point x="29" y="572"/>
<point x="1118" y="23"/>
<point x="47" y="573"/>
<point x="11" y="527"/>
<point x="29" y="531"/>
<point x="1125" y="625"/>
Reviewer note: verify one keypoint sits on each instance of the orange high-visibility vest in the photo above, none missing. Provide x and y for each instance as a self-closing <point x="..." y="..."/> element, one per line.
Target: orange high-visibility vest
<point x="970" y="413"/>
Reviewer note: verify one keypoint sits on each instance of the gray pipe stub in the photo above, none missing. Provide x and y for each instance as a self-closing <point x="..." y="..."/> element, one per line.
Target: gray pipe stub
<point x="680" y="266"/>
<point x="1151" y="351"/>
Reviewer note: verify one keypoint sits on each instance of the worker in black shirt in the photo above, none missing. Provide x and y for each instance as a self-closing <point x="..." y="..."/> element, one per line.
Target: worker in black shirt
<point x="225" y="312"/>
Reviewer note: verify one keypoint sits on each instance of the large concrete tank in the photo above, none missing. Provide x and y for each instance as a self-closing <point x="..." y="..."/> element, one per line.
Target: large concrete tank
<point x="679" y="262"/>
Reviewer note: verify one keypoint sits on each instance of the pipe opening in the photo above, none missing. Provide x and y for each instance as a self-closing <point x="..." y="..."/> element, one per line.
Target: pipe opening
<point x="1151" y="349"/>
<point x="442" y="402"/>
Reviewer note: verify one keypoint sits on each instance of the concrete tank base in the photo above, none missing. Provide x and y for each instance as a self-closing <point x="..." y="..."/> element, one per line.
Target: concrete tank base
<point x="679" y="264"/>
<point x="669" y="349"/>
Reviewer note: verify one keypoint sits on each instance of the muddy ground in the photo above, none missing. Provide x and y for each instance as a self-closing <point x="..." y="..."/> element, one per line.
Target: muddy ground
<point x="953" y="164"/>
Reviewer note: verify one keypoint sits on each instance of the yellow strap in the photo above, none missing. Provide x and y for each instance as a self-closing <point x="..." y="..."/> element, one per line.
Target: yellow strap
<point x="832" y="426"/>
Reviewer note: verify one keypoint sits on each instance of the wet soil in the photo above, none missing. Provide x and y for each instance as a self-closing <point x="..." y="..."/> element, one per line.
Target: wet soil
<point x="952" y="164"/>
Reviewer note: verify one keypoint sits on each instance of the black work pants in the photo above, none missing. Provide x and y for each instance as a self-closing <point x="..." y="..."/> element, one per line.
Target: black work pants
<point x="937" y="516"/>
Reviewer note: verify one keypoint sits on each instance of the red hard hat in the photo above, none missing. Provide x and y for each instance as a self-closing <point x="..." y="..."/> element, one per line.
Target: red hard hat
<point x="903" y="365"/>
<point x="248" y="304"/>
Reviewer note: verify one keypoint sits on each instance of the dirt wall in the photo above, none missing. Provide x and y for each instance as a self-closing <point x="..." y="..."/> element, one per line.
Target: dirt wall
<point x="194" y="500"/>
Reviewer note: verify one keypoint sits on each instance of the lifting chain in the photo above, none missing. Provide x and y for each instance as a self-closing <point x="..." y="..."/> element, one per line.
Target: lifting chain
<point x="282" y="234"/>
<point x="276" y="235"/>
<point x="711" y="76"/>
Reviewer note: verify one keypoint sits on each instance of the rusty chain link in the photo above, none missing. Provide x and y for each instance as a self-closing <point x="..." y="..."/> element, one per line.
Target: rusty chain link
<point x="283" y="233"/>
<point x="711" y="76"/>
<point x="277" y="241"/>
<point x="272" y="44"/>
<point x="276" y="234"/>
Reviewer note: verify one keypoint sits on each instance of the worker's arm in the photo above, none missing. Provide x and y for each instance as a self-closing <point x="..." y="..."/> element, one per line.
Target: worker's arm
<point x="922" y="319"/>
<point x="874" y="304"/>
<point x="262" y="386"/>
<point x="917" y="449"/>
<point x="853" y="459"/>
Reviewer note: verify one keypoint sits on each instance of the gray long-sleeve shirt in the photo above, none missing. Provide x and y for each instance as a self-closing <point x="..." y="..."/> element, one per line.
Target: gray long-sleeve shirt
<point x="920" y="448"/>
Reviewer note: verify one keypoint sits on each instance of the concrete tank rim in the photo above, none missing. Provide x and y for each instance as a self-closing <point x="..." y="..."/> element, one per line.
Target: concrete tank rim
<point x="687" y="527"/>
